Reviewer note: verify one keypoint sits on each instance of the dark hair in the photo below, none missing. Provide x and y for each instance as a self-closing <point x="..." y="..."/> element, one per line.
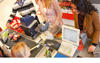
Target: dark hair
<point x="84" y="6"/>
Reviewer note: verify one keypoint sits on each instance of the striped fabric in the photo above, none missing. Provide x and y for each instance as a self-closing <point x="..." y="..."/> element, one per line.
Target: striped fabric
<point x="24" y="10"/>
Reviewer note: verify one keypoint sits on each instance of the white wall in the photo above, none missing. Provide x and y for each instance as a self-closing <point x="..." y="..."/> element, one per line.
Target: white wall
<point x="5" y="11"/>
<point x="98" y="7"/>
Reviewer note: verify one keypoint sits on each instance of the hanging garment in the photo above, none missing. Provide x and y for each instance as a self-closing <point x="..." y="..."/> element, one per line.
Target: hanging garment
<point x="29" y="25"/>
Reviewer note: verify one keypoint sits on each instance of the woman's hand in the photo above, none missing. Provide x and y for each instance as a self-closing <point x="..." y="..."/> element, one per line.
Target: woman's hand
<point x="61" y="23"/>
<point x="42" y="14"/>
<point x="91" y="48"/>
<point x="6" y="50"/>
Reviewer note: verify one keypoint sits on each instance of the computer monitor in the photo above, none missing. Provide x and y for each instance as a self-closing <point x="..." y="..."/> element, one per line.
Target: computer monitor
<point x="70" y="34"/>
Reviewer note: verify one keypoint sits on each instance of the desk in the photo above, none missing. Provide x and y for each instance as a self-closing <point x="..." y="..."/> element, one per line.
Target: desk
<point x="30" y="42"/>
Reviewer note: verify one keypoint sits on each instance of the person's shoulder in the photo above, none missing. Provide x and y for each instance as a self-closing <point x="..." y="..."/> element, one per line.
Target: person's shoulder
<point x="94" y="13"/>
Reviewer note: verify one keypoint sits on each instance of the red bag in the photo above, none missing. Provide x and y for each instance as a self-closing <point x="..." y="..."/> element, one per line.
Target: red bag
<point x="15" y="25"/>
<point x="81" y="46"/>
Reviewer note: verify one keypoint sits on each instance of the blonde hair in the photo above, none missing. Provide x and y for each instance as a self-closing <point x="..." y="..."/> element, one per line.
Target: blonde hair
<point x="20" y="49"/>
<point x="47" y="3"/>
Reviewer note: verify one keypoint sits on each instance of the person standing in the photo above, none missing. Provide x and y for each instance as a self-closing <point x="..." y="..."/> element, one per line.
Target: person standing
<point x="51" y="11"/>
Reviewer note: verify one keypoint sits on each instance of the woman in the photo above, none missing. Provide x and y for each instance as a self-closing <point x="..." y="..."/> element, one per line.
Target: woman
<point x="20" y="50"/>
<point x="50" y="10"/>
<point x="89" y="21"/>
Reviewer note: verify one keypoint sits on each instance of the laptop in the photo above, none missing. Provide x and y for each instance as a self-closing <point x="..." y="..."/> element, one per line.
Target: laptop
<point x="70" y="40"/>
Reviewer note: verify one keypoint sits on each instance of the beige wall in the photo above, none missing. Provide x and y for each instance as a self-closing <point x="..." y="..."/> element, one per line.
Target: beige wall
<point x="5" y="11"/>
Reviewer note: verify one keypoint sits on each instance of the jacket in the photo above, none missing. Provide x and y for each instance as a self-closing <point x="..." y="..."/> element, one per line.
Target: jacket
<point x="91" y="26"/>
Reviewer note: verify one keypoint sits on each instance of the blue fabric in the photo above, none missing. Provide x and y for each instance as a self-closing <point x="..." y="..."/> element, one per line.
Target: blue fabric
<point x="44" y="28"/>
<point x="84" y="38"/>
<point x="58" y="55"/>
<point x="27" y="20"/>
<point x="21" y="3"/>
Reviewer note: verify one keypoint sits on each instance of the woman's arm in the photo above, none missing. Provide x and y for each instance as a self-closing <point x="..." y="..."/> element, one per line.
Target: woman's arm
<point x="58" y="13"/>
<point x="6" y="50"/>
<point x="41" y="10"/>
<point x="96" y="24"/>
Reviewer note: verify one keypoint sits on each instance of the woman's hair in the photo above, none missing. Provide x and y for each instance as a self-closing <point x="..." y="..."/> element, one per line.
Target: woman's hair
<point x="20" y="49"/>
<point x="84" y="6"/>
<point x="46" y="3"/>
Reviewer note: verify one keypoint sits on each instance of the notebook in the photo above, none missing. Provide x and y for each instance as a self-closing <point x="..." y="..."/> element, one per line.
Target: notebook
<point x="70" y="40"/>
